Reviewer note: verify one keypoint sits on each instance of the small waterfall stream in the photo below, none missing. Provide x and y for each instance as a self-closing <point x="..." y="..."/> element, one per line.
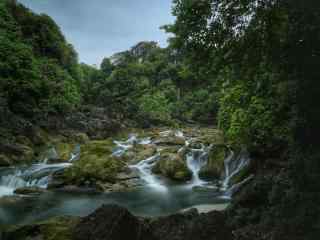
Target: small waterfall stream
<point x="196" y="159"/>
<point x="36" y="175"/>
<point x="144" y="167"/>
<point x="233" y="165"/>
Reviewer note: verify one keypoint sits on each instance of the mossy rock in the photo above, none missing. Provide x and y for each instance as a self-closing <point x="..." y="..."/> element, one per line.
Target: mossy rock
<point x="215" y="165"/>
<point x="95" y="164"/>
<point x="139" y="153"/>
<point x="54" y="229"/>
<point x="172" y="166"/>
<point x="64" y="150"/>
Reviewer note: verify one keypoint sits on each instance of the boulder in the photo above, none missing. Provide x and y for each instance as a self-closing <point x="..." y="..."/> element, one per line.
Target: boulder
<point x="172" y="166"/>
<point x="112" y="222"/>
<point x="191" y="225"/>
<point x="64" y="151"/>
<point x="139" y="153"/>
<point x="215" y="165"/>
<point x="94" y="165"/>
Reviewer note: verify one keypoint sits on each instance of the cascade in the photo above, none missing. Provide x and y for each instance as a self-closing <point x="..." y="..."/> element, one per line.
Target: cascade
<point x="196" y="159"/>
<point x="144" y="167"/>
<point x="233" y="165"/>
<point x="36" y="175"/>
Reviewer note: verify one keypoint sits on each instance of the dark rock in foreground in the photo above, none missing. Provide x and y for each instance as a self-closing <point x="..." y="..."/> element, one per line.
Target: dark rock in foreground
<point x="111" y="222"/>
<point x="191" y="226"/>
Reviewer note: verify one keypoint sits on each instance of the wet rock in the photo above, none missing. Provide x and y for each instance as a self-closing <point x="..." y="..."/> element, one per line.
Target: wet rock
<point x="141" y="152"/>
<point x="64" y="151"/>
<point x="172" y="166"/>
<point x="192" y="226"/>
<point x="215" y="165"/>
<point x="196" y="145"/>
<point x="29" y="191"/>
<point x="95" y="164"/>
<point x="113" y="223"/>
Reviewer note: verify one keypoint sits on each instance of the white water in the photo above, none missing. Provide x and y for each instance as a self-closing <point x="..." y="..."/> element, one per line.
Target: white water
<point x="144" y="167"/>
<point x="36" y="175"/>
<point x="233" y="165"/>
<point x="196" y="159"/>
<point x="123" y="146"/>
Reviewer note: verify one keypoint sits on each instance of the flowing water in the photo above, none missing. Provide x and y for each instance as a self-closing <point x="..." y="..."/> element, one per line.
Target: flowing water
<point x="157" y="196"/>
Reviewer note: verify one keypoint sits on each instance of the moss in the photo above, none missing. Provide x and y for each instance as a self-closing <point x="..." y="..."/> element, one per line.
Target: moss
<point x="64" y="150"/>
<point x="95" y="164"/>
<point x="54" y="229"/>
<point x="215" y="165"/>
<point x="172" y="166"/>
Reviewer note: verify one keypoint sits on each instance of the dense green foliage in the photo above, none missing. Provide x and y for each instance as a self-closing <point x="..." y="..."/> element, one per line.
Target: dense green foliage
<point x="39" y="70"/>
<point x="262" y="60"/>
<point x="234" y="47"/>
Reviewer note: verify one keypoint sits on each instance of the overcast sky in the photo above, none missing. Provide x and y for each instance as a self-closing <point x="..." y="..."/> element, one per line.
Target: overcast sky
<point x="99" y="28"/>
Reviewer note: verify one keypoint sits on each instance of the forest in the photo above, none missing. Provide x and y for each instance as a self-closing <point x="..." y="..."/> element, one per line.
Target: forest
<point x="247" y="68"/>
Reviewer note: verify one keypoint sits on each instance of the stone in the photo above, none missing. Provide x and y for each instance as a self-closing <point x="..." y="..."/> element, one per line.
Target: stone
<point x="29" y="191"/>
<point x="191" y="225"/>
<point x="172" y="166"/>
<point x="111" y="222"/>
<point x="214" y="168"/>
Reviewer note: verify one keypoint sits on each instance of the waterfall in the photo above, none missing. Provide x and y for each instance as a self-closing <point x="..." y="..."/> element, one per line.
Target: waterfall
<point x="75" y="155"/>
<point x="144" y="167"/>
<point x="123" y="146"/>
<point x="233" y="165"/>
<point x="36" y="175"/>
<point x="235" y="188"/>
<point x="196" y="159"/>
